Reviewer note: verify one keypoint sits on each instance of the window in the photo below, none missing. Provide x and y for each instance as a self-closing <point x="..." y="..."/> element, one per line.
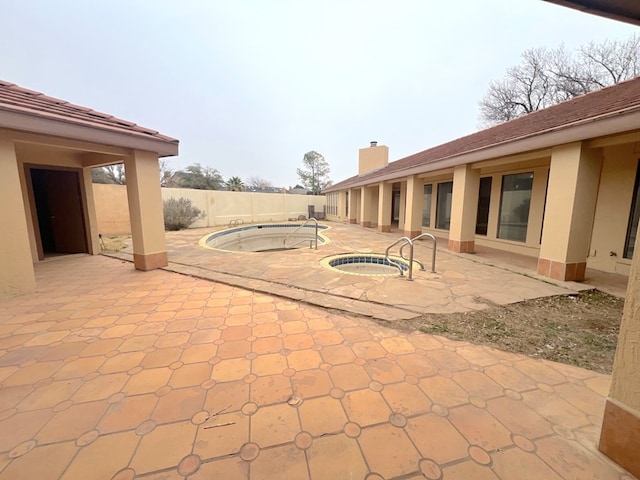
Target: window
<point x="426" y="206"/>
<point x="484" y="197"/>
<point x="514" y="206"/>
<point x="443" y="206"/>
<point x="634" y="215"/>
<point x="332" y="203"/>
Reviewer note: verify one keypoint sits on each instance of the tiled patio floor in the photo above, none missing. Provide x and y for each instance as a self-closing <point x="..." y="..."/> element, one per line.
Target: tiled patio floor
<point x="108" y="373"/>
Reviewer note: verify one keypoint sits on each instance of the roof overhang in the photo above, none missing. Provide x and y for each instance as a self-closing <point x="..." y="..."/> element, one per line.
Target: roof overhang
<point x="622" y="10"/>
<point x="37" y="124"/>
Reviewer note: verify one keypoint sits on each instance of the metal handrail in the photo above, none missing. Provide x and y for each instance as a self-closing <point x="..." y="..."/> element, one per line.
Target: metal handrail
<point x="315" y="239"/>
<point x="433" y="254"/>
<point x="406" y="241"/>
<point x="235" y="222"/>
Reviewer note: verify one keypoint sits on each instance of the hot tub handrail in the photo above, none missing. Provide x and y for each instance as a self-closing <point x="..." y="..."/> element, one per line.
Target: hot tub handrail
<point x="315" y="238"/>
<point x="235" y="222"/>
<point x="405" y="240"/>
<point x="433" y="254"/>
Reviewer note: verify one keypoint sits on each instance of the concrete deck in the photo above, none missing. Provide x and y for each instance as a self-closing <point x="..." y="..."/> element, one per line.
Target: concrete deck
<point x="110" y="373"/>
<point x="462" y="282"/>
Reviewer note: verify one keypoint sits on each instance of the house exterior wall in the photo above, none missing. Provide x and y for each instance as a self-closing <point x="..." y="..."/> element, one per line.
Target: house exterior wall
<point x="220" y="206"/>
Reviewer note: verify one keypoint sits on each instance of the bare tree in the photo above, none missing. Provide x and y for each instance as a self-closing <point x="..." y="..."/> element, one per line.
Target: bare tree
<point x="111" y="174"/>
<point x="545" y="77"/>
<point x="259" y="183"/>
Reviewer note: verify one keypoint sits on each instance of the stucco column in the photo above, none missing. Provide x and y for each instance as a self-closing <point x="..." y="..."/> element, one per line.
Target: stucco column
<point x="568" y="219"/>
<point x="620" y="434"/>
<point x="413" y="212"/>
<point x="464" y="209"/>
<point x="16" y="275"/>
<point x="352" y="204"/>
<point x="145" y="210"/>
<point x="365" y="207"/>
<point x="385" y="195"/>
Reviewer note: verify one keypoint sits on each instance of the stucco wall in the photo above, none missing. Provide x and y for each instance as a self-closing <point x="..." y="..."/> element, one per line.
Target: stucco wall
<point x="220" y="206"/>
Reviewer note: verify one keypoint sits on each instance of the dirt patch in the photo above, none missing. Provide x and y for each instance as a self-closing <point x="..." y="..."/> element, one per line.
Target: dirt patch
<point x="114" y="243"/>
<point x="580" y="330"/>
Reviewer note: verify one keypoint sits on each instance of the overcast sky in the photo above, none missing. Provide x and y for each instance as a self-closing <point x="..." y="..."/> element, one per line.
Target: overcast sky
<point x="249" y="86"/>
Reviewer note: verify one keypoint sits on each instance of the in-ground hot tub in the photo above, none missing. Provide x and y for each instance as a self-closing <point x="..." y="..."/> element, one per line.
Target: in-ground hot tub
<point x="265" y="238"/>
<point x="366" y="264"/>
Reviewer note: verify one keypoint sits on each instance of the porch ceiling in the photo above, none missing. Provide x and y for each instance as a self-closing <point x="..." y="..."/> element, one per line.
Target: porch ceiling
<point x="622" y="10"/>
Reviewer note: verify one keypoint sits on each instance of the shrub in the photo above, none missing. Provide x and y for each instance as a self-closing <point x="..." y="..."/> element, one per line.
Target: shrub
<point x="180" y="213"/>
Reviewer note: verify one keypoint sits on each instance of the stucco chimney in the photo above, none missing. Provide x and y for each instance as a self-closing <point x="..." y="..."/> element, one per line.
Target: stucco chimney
<point x="372" y="158"/>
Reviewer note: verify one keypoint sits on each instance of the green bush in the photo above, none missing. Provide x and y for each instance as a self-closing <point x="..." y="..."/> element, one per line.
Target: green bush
<point x="180" y="213"/>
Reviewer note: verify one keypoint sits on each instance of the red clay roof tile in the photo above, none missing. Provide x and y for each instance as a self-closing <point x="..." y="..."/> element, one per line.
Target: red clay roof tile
<point x="608" y="101"/>
<point x="18" y="99"/>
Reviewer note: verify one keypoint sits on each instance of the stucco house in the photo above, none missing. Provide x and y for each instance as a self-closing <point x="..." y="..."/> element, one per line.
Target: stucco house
<point x="560" y="184"/>
<point x="47" y="149"/>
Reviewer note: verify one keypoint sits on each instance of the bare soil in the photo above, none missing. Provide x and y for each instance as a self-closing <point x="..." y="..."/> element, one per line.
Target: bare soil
<point x="580" y="329"/>
<point x="114" y="243"/>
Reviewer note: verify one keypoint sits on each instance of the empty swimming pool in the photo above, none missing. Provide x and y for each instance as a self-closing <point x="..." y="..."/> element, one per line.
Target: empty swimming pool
<point x="265" y="237"/>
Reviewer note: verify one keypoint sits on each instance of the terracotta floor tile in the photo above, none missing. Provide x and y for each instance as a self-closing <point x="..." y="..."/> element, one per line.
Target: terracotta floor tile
<point x="510" y="377"/>
<point x="356" y="334"/>
<point x="539" y="372"/>
<point x="274" y="425"/>
<point x="269" y="364"/>
<point x="447" y="360"/>
<point x="516" y="463"/>
<point x="425" y="342"/>
<point x="181" y="325"/>
<point x="150" y="328"/>
<point x="229" y="395"/>
<point x="137" y="343"/>
<point x="582" y="397"/>
<point x="32" y="373"/>
<point x="234" y="349"/>
<point x="236" y="333"/>
<point x="397" y="345"/>
<point x="231" y="369"/>
<point x="296" y="326"/>
<point x="45" y="338"/>
<point x="401" y="459"/>
<point x="518" y="417"/>
<point x="268" y="330"/>
<point x="11" y="396"/>
<point x="555" y="409"/>
<point x="22" y="427"/>
<point x="328" y="337"/>
<point x="148" y="381"/>
<point x="79" y="368"/>
<point x="181" y="404"/>
<point x="384" y="371"/>
<point x="322" y="415"/>
<point x="174" y="339"/>
<point x="60" y="352"/>
<point x="128" y="413"/>
<point x="304" y="359"/>
<point x="365" y="407"/>
<point x="336" y="456"/>
<point x="198" y="353"/>
<point x="416" y="365"/>
<point x="478" y="384"/>
<point x="42" y="463"/>
<point x="572" y="462"/>
<point x="122" y="362"/>
<point x="92" y="462"/>
<point x="190" y="374"/>
<point x="436" y="438"/>
<point x="71" y="423"/>
<point x="164" y="447"/>
<point x="406" y="399"/>
<point x="368" y="350"/>
<point x="101" y="347"/>
<point x="232" y="468"/>
<point x="267" y="345"/>
<point x="349" y="377"/>
<point x="311" y="383"/>
<point x="270" y="389"/>
<point x="54" y="393"/>
<point x="468" y="470"/>
<point x="338" y="354"/>
<point x="599" y="384"/>
<point x="477" y="355"/>
<point x="298" y="341"/>
<point x="443" y="391"/>
<point x="162" y="357"/>
<point x="479" y="427"/>
<point x="285" y="462"/>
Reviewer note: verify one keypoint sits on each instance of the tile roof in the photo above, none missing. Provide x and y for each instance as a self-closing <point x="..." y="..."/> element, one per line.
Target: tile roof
<point x="14" y="98"/>
<point x="608" y="101"/>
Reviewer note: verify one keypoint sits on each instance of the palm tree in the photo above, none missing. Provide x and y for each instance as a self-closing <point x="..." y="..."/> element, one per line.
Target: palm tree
<point x="235" y="184"/>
